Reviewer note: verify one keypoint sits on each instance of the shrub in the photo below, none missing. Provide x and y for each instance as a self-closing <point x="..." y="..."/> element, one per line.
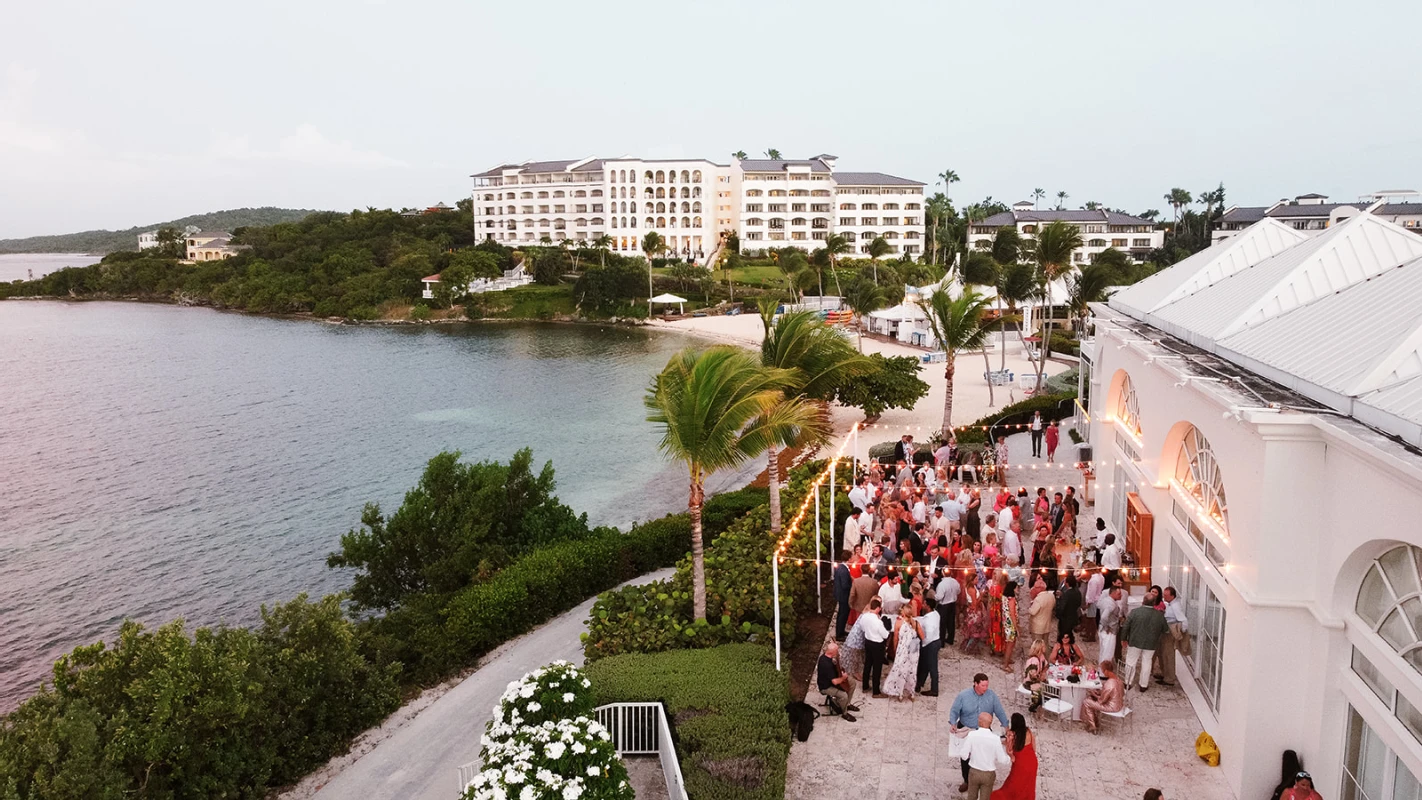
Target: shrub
<point x="363" y="313"/>
<point x="1018" y="413"/>
<point x="1065" y="343"/>
<point x="1063" y="382"/>
<point x="884" y="452"/>
<point x="420" y="313"/>
<point x="727" y="709"/>
<point x="548" y="694"/>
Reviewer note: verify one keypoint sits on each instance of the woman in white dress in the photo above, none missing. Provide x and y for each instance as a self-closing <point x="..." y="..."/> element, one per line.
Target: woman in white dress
<point x="909" y="636"/>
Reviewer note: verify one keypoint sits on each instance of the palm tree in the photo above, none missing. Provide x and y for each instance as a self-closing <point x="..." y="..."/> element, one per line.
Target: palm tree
<point x="877" y="249"/>
<point x="1177" y="198"/>
<point x="981" y="269"/>
<point x="1056" y="242"/>
<point x="1092" y="205"/>
<point x="1085" y="287"/>
<point x="772" y="154"/>
<point x="1016" y="284"/>
<point x="957" y="325"/>
<point x="939" y="208"/>
<point x="1061" y="199"/>
<point x="602" y="243"/>
<point x="1037" y="195"/>
<point x="947" y="177"/>
<point x="719" y="408"/>
<point x="740" y="155"/>
<point x="652" y="244"/>
<point x="819" y="359"/>
<point x="835" y="246"/>
<point x="864" y="298"/>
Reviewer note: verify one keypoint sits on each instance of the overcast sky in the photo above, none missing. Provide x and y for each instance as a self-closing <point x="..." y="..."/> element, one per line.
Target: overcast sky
<point x="122" y="114"/>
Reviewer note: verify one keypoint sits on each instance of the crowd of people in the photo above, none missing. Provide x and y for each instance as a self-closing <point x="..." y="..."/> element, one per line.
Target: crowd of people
<point x="924" y="566"/>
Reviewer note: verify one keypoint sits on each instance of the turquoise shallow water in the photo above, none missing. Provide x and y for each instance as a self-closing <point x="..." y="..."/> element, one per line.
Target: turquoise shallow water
<point x="162" y="462"/>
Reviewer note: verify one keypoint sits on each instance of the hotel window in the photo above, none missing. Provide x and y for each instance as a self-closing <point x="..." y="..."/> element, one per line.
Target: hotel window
<point x="820" y="235"/>
<point x="891" y="206"/>
<point x="891" y="220"/>
<point x="1128" y="407"/>
<point x="797" y="207"/>
<point x="1198" y="475"/>
<point x="911" y="206"/>
<point x="777" y="207"/>
<point x="777" y="224"/>
<point x="871" y="206"/>
<point x="754" y="207"/>
<point x="1140" y="243"/>
<point x="846" y="220"/>
<point x="1370" y="770"/>
<point x="1118" y="242"/>
<point x="847" y="207"/>
<point x="798" y="236"/>
<point x="868" y="220"/>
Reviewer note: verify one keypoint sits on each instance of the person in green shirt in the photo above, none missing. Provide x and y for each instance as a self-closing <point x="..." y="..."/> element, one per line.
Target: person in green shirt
<point x="1141" y="632"/>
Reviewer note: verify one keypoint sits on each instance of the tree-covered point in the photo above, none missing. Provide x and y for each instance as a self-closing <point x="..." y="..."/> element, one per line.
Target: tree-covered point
<point x="328" y="263"/>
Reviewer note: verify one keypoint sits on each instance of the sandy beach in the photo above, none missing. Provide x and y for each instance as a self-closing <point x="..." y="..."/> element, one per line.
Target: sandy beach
<point x="970" y="389"/>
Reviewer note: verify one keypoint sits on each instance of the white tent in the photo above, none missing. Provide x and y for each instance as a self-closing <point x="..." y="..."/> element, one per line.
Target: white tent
<point x="670" y="298"/>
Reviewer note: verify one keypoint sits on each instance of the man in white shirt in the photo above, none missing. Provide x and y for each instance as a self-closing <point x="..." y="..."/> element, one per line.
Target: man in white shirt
<point x="1171" y="641"/>
<point x="875" y="634"/>
<point x="947" y="597"/>
<point x="1094" y="587"/>
<point x="866" y="521"/>
<point x="859" y="495"/>
<point x="939" y="525"/>
<point x="890" y="595"/>
<point x="953" y="512"/>
<point x="1004" y="519"/>
<point x="1111" y="555"/>
<point x="928" y="651"/>
<point x="852" y="533"/>
<point x="1012" y="545"/>
<point x="920" y="509"/>
<point x="1109" y="616"/>
<point x="984" y="753"/>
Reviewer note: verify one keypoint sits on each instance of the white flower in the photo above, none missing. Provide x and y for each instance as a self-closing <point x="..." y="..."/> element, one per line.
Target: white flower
<point x="514" y="776"/>
<point x="579" y="748"/>
<point x="568" y="697"/>
<point x="572" y="791"/>
<point x="555" y="750"/>
<point x="534" y="707"/>
<point x="593" y="772"/>
<point x="526" y="692"/>
<point x="587" y="684"/>
<point x="528" y="793"/>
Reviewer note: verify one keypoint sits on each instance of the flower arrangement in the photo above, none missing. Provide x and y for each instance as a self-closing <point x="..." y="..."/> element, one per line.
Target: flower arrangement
<point x="542" y="743"/>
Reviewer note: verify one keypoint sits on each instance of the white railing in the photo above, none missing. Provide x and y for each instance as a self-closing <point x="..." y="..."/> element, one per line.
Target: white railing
<point x="637" y="729"/>
<point x="642" y="729"/>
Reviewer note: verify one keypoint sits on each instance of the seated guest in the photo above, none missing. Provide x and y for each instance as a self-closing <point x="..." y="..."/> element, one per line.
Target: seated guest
<point x="1303" y="789"/>
<point x="1067" y="653"/>
<point x="1034" y="673"/>
<point x="1110" y="697"/>
<point x="833" y="684"/>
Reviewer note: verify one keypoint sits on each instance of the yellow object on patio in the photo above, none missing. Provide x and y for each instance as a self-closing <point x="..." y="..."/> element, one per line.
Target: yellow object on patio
<point x="1207" y="750"/>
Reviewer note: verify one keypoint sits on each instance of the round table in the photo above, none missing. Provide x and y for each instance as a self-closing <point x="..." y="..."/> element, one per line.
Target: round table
<point x="1074" y="693"/>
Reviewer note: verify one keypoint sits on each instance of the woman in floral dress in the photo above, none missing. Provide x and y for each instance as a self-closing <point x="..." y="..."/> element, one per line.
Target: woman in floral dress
<point x="995" y="632"/>
<point x="975" y="624"/>
<point x="909" y="637"/>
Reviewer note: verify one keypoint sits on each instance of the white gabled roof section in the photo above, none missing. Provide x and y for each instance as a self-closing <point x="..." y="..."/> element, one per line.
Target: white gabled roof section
<point x="1351" y="252"/>
<point x="1256" y="243"/>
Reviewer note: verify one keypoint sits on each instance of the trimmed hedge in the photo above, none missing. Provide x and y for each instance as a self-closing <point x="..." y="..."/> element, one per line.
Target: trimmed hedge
<point x="1014" y="414"/>
<point x="727" y="709"/>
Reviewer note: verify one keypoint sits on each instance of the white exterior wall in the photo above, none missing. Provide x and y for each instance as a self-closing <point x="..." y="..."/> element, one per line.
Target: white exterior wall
<point x="785" y="199"/>
<point x="1310" y="502"/>
<point x="896" y="212"/>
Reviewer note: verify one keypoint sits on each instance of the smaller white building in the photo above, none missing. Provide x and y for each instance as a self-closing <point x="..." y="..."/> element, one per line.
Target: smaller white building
<point x="512" y="278"/>
<point x="1100" y="229"/>
<point x="148" y="241"/>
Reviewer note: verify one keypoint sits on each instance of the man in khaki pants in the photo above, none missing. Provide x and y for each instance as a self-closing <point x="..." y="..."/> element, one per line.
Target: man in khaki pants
<point x="1175" y="638"/>
<point x="984" y="753"/>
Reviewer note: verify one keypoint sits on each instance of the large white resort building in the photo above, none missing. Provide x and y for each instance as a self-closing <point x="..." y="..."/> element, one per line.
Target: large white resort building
<point x="691" y="203"/>
<point x="1256" y="422"/>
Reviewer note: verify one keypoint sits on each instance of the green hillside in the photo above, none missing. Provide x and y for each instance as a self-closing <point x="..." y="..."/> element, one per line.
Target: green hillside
<point x="100" y="242"/>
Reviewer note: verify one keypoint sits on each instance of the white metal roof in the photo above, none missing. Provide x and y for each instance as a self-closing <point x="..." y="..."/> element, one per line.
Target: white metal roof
<point x="1336" y="317"/>
<point x="1209" y="266"/>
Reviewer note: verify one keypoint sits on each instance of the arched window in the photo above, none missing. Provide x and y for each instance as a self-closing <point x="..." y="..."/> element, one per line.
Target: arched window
<point x="753" y="193"/>
<point x="696" y="176"/>
<point x="661" y="207"/>
<point x="527" y="196"/>
<point x="685" y="176"/>
<point x="696" y="191"/>
<point x="597" y="222"/>
<point x="1096" y="243"/>
<point x="696" y="207"/>
<point x="647" y="177"/>
<point x="558" y="193"/>
<point x="1128" y="407"/>
<point x="848" y="236"/>
<point x="581" y="193"/>
<point x="622" y="175"/>
<point x="634" y="208"/>
<point x="542" y="195"/>
<point x="614" y="222"/>
<point x="649" y="193"/>
<point x="685" y="222"/>
<point x="685" y="191"/>
<point x="661" y="222"/>
<point x="661" y="177"/>
<point x="650" y="223"/>
<point x="1390" y="601"/>
<point x="685" y="207"/>
<point x="1198" y="474"/>
<point x="696" y="222"/>
<point x="580" y="222"/>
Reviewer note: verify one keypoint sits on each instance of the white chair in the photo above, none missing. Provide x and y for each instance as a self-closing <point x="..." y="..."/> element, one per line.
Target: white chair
<point x="1053" y="703"/>
<point x="1024" y="695"/>
<point x="1123" y="717"/>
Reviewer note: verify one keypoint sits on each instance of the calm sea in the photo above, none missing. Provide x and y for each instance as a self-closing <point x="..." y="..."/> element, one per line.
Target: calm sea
<point x="163" y="462"/>
<point x="25" y="266"/>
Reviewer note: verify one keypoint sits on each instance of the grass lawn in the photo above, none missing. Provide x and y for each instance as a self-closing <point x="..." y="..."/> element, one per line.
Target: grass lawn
<point x="529" y="302"/>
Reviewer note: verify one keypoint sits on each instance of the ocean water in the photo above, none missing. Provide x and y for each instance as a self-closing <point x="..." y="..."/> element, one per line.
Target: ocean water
<point x="163" y="462"/>
<point x="24" y="266"/>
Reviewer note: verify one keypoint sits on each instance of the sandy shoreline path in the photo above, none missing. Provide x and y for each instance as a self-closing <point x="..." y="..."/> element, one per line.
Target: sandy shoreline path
<point x="970" y="389"/>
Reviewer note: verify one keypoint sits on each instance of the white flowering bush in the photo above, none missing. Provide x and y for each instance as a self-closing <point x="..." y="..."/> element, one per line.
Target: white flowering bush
<point x="542" y="743"/>
<point x="570" y="759"/>
<point x="557" y="691"/>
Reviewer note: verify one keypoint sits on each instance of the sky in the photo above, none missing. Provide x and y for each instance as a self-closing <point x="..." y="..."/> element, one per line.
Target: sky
<point x="121" y="114"/>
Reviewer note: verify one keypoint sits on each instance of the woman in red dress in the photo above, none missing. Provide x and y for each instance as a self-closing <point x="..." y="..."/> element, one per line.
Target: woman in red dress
<point x="1021" y="783"/>
<point x="1054" y="435"/>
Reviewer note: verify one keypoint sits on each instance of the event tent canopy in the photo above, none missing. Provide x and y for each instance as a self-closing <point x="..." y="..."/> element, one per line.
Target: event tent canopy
<point x="671" y="298"/>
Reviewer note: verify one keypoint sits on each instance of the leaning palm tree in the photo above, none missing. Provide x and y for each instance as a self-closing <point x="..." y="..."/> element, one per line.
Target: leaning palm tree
<point x="719" y="408"/>
<point x="652" y="244"/>
<point x="1017" y="284"/>
<point x="864" y="297"/>
<point x="877" y="249"/>
<point x="981" y="269"/>
<point x="820" y="360"/>
<point x="1056" y="242"/>
<point x="957" y="325"/>
<point x="835" y="246"/>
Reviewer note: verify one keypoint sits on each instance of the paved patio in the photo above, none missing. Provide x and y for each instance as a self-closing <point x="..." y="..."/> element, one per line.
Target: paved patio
<point x="900" y="750"/>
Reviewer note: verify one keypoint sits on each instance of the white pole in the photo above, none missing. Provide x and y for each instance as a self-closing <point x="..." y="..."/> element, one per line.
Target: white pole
<point x="856" y="450"/>
<point x="775" y="588"/>
<point x="831" y="501"/>
<point x="819" y="595"/>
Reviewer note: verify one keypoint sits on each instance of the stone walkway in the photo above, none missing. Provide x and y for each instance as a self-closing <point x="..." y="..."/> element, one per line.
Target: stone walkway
<point x="899" y="749"/>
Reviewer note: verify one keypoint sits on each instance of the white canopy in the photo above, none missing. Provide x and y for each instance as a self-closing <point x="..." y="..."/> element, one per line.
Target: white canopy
<point x="668" y="298"/>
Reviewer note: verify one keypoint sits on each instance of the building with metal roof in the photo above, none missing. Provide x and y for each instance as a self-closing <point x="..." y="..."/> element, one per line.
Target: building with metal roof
<point x="1312" y="213"/>
<point x="1256" y="433"/>
<point x="1100" y="229"/>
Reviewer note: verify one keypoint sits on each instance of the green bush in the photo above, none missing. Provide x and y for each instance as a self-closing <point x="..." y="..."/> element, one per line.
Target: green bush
<point x="727" y="709"/>
<point x="225" y="712"/>
<point x="420" y="313"/>
<point x="1051" y="405"/>
<point x="884" y="452"/>
<point x="1065" y="343"/>
<point x="1063" y="382"/>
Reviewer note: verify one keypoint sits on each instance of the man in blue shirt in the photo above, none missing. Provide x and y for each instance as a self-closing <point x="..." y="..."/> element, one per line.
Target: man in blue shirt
<point x="968" y="705"/>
